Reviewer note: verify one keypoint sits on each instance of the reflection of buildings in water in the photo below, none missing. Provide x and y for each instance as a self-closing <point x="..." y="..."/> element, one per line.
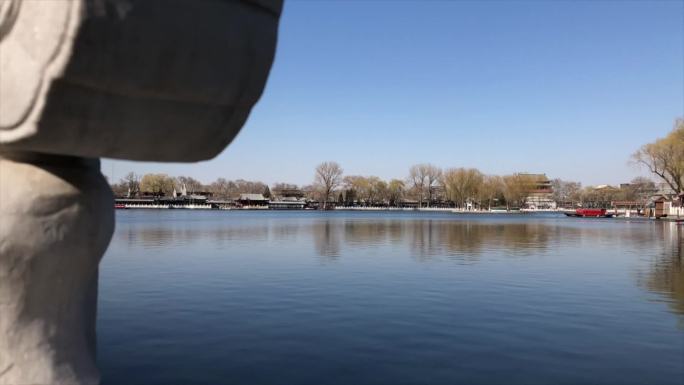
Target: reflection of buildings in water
<point x="330" y="235"/>
<point x="666" y="274"/>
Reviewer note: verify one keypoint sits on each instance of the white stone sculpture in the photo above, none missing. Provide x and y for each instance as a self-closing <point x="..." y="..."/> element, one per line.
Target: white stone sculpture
<point x="162" y="80"/>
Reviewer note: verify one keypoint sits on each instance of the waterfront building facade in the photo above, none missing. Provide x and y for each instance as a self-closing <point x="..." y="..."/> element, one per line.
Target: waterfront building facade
<point x="287" y="205"/>
<point x="252" y="200"/>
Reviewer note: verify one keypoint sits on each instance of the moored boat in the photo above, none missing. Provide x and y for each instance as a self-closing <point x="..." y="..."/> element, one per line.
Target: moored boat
<point x="590" y="213"/>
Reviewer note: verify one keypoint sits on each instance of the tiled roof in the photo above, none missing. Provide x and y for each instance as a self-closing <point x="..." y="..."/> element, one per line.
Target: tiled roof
<point x="252" y="197"/>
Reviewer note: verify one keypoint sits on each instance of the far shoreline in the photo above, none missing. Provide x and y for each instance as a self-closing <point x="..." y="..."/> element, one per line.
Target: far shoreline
<point x="525" y="212"/>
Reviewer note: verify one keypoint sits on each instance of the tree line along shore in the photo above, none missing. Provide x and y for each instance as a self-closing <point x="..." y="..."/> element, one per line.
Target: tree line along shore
<point x="427" y="185"/>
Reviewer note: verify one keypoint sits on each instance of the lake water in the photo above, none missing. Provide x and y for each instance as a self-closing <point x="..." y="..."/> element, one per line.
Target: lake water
<point x="244" y="297"/>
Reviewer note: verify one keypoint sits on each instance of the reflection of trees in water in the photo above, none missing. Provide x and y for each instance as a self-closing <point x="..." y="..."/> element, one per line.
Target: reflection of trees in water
<point x="466" y="241"/>
<point x="463" y="241"/>
<point x="326" y="237"/>
<point x="168" y="236"/>
<point x="666" y="274"/>
<point x="368" y="234"/>
<point x="423" y="237"/>
<point x="428" y="238"/>
<point x="285" y="231"/>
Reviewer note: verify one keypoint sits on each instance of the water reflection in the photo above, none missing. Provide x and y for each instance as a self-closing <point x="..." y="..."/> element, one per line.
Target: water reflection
<point x="171" y="236"/>
<point x="406" y="298"/>
<point x="326" y="237"/>
<point x="426" y="238"/>
<point x="468" y="241"/>
<point x="462" y="240"/>
<point x="666" y="273"/>
<point x="430" y="238"/>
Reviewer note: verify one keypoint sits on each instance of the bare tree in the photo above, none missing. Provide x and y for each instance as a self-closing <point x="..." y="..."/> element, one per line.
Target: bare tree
<point x="599" y="196"/>
<point x="395" y="191"/>
<point x="249" y="187"/>
<point x="223" y="189"/>
<point x="356" y="187"/>
<point x="371" y="189"/>
<point x="132" y="182"/>
<point x="516" y="189"/>
<point x="433" y="175"/>
<point x="462" y="184"/>
<point x="492" y="188"/>
<point x="191" y="184"/>
<point x="328" y="177"/>
<point x="423" y="177"/>
<point x="310" y="192"/>
<point x="416" y="178"/>
<point x="638" y="190"/>
<point x="565" y="191"/>
<point x="119" y="189"/>
<point x="665" y="157"/>
<point x="380" y="190"/>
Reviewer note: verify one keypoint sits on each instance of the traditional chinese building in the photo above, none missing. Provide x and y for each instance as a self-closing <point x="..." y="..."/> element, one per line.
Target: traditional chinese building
<point x="541" y="195"/>
<point x="253" y="200"/>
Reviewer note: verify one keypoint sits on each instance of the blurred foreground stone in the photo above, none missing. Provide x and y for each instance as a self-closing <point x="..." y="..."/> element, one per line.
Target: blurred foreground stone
<point x="158" y="80"/>
<point x="57" y="220"/>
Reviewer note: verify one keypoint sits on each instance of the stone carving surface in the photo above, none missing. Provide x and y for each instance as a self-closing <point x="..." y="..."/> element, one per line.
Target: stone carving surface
<point x="57" y="219"/>
<point x="30" y="52"/>
<point x="163" y="80"/>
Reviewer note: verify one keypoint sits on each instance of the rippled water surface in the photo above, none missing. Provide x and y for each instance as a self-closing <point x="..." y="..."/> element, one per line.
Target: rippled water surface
<point x="190" y="297"/>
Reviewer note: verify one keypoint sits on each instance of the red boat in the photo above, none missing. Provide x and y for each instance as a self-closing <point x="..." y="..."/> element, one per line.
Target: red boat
<point x="119" y="206"/>
<point x="590" y="213"/>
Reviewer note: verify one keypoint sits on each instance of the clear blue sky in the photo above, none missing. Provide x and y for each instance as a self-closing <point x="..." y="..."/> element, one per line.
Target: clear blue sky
<point x="566" y="88"/>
